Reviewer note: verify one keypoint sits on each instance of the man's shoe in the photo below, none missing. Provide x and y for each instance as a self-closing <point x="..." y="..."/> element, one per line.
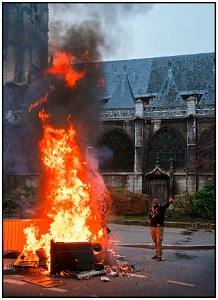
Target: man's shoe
<point x="159" y="258"/>
<point x="154" y="257"/>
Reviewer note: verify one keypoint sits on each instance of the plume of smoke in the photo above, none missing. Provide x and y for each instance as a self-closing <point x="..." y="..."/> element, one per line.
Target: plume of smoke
<point x="81" y="102"/>
<point x="112" y="19"/>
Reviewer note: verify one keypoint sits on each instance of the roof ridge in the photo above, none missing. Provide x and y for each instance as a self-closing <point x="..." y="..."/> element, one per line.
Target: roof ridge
<point x="159" y="57"/>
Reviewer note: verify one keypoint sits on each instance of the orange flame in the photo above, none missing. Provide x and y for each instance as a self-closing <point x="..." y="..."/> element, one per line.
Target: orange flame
<point x="75" y="213"/>
<point x="39" y="102"/>
<point x="76" y="203"/>
<point x="63" y="67"/>
<point x="67" y="191"/>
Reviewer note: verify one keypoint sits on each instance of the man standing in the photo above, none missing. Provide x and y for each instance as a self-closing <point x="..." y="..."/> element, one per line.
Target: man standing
<point x="156" y="219"/>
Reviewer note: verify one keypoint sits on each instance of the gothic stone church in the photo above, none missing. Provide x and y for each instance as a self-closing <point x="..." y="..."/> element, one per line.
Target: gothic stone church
<point x="158" y="113"/>
<point x="159" y="119"/>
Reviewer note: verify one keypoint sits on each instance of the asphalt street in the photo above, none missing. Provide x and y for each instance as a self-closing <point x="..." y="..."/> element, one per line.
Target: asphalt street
<point x="184" y="271"/>
<point x="174" y="237"/>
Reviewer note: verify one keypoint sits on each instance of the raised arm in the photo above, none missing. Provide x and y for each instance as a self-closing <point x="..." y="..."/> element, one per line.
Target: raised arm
<point x="170" y="200"/>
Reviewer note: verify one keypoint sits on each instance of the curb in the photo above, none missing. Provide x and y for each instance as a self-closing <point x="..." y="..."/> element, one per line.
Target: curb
<point x="195" y="225"/>
<point x="170" y="247"/>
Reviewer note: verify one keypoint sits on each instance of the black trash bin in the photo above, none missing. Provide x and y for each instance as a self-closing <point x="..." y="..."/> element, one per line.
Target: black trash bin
<point x="73" y="256"/>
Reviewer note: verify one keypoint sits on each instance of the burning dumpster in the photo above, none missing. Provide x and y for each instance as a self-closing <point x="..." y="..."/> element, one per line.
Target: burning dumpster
<point x="71" y="257"/>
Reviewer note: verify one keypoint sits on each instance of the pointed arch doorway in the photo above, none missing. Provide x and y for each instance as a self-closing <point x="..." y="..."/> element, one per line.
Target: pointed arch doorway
<point x="158" y="184"/>
<point x="159" y="188"/>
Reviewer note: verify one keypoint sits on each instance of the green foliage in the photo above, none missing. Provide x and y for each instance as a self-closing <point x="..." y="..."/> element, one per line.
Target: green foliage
<point x="205" y="201"/>
<point x="201" y="204"/>
<point x="176" y="216"/>
<point x="183" y="204"/>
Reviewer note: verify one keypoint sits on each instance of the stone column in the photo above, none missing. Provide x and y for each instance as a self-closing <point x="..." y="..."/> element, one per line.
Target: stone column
<point x="138" y="158"/>
<point x="27" y="44"/>
<point x="44" y="35"/>
<point x="9" y="64"/>
<point x="9" y="46"/>
<point x="191" y="145"/>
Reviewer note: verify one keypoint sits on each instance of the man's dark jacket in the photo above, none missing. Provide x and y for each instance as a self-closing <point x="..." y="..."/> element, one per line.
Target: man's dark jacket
<point x="157" y="215"/>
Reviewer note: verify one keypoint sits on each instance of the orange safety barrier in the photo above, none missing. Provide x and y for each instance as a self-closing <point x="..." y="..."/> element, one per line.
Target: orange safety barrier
<point x="13" y="235"/>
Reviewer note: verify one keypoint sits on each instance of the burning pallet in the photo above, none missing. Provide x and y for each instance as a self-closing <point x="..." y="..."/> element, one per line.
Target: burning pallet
<point x="76" y="260"/>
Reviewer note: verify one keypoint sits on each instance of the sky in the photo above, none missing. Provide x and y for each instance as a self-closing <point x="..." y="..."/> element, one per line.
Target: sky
<point x="141" y="30"/>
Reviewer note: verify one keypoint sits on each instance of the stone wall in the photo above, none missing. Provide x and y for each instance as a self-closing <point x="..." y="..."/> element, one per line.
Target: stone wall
<point x="120" y="180"/>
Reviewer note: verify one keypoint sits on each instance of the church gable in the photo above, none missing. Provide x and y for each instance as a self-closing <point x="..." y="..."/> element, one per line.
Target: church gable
<point x="123" y="96"/>
<point x="169" y="93"/>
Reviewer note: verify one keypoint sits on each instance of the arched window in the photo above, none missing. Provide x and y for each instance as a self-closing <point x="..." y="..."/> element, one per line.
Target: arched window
<point x="115" y="152"/>
<point x="168" y="145"/>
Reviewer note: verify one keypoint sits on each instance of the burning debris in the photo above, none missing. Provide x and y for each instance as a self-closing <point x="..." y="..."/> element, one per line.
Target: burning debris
<point x="76" y="202"/>
<point x="79" y="261"/>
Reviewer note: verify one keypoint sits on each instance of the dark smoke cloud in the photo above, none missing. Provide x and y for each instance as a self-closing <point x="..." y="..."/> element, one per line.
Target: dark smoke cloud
<point x="83" y="37"/>
<point x="113" y="20"/>
<point x="81" y="102"/>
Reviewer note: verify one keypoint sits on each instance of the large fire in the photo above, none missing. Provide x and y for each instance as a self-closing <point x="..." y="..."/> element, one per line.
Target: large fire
<point x="76" y="203"/>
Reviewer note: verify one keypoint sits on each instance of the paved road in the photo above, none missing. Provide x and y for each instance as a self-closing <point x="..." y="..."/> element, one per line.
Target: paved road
<point x="175" y="237"/>
<point x="182" y="273"/>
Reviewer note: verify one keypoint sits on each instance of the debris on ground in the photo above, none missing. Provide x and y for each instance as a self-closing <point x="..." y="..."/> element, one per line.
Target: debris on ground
<point x="44" y="281"/>
<point x="82" y="275"/>
<point x="105" y="279"/>
<point x="113" y="265"/>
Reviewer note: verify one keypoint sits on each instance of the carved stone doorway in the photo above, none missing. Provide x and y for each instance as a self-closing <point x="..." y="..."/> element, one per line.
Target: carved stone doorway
<point x="159" y="188"/>
<point x="158" y="184"/>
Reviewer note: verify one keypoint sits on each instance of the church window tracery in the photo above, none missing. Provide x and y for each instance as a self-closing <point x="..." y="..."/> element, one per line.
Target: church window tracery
<point x="168" y="144"/>
<point x="116" y="152"/>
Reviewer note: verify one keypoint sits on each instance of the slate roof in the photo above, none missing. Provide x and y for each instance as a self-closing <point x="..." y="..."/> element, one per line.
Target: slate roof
<point x="147" y="76"/>
<point x="209" y="95"/>
<point x="123" y="96"/>
<point x="169" y="94"/>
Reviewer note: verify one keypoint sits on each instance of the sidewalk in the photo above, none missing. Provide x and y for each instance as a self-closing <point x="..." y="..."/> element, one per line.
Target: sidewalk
<point x="193" y="225"/>
<point x="138" y="236"/>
